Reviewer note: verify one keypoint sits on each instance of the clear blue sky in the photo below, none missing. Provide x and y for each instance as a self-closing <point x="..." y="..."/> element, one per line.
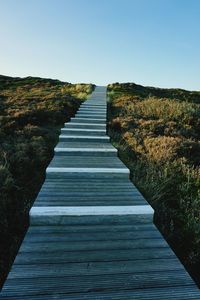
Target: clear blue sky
<point x="151" y="42"/>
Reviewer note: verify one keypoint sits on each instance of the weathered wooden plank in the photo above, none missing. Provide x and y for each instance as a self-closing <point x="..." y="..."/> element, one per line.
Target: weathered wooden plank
<point x="86" y="203"/>
<point x="94" y="283"/>
<point x="94" y="268"/>
<point x="93" y="181"/>
<point x="92" y="228"/>
<point x="88" y="193"/>
<point x="84" y="164"/>
<point x="91" y="215"/>
<point x="168" y="293"/>
<point x="76" y="172"/>
<point x="91" y="245"/>
<point x="86" y="187"/>
<point x="93" y="255"/>
<point x="94" y="197"/>
<point x="91" y="236"/>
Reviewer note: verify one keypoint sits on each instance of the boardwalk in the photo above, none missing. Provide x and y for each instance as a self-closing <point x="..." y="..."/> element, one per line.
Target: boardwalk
<point x="91" y="233"/>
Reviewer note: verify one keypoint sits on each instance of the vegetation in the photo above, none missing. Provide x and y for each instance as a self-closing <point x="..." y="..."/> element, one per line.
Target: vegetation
<point x="155" y="130"/>
<point x="32" y="111"/>
<point x="157" y="133"/>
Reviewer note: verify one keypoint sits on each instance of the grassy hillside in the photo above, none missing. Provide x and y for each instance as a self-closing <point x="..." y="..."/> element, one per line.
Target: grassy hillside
<point x="32" y="111"/>
<point x="157" y="133"/>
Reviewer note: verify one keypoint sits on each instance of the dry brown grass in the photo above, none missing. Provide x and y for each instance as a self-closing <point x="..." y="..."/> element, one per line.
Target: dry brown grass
<point x="159" y="139"/>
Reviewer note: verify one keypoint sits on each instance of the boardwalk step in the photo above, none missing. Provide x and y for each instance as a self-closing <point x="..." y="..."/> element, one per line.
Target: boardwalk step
<point x="84" y="138"/>
<point x="85" y="105"/>
<point x="85" y="131"/>
<point x="91" y="215"/>
<point x="92" y="104"/>
<point x="101" y="125"/>
<point x="96" y="268"/>
<point x="90" y="116"/>
<point x="87" y="203"/>
<point x="182" y="292"/>
<point x="92" y="109"/>
<point x="85" y="125"/>
<point x="93" y="228"/>
<point x="86" y="172"/>
<point x="60" y="191"/>
<point x="94" y="255"/>
<point x="86" y="151"/>
<point x="91" y="112"/>
<point x="91" y="163"/>
<point x="88" y="144"/>
<point x="91" y="236"/>
<point x="88" y="120"/>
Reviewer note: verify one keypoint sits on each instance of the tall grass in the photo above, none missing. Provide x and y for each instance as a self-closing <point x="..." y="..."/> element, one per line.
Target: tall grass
<point x="159" y="139"/>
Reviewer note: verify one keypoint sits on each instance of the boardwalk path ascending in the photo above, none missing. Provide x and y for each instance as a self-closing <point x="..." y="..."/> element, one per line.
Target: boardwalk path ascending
<point x="91" y="233"/>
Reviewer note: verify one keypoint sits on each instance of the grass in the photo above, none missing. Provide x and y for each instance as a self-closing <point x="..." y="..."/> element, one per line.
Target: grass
<point x="32" y="111"/>
<point x="157" y="134"/>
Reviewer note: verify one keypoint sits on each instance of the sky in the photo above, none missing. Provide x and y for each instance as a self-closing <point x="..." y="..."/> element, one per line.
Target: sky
<point x="149" y="42"/>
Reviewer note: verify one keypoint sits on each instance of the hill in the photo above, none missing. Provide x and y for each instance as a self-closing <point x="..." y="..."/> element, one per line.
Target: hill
<point x="148" y="91"/>
<point x="157" y="133"/>
<point x="32" y="111"/>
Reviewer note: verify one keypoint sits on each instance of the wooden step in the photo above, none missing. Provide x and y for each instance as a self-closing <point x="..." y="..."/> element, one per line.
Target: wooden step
<point x="85" y="138"/>
<point x="85" y="151"/>
<point x="83" y="131"/>
<point x="91" y="215"/>
<point x="85" y="125"/>
<point x="87" y="172"/>
<point x="88" y="120"/>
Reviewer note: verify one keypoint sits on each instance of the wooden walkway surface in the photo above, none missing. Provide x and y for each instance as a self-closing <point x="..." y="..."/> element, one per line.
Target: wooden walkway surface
<point x="91" y="233"/>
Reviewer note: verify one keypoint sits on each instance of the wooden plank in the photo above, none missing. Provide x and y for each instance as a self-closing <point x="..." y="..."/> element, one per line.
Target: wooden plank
<point x="92" y="236"/>
<point x="93" y="228"/>
<point x="88" y="284"/>
<point x="92" y="256"/>
<point x="94" y="268"/>
<point x="86" y="197"/>
<point x="91" y="245"/>
<point x="169" y="293"/>
<point x="88" y="193"/>
<point x="87" y="203"/>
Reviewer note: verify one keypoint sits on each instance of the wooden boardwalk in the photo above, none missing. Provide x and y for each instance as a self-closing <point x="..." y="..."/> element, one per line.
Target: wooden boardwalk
<point x="91" y="233"/>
